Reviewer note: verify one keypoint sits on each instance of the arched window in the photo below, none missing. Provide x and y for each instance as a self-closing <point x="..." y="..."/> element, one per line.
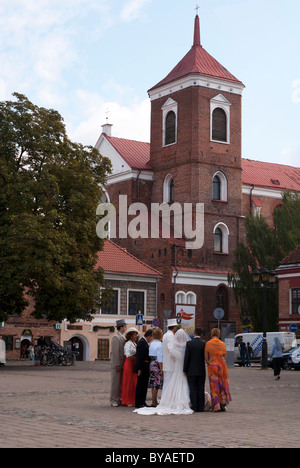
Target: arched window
<point x="219" y="125"/>
<point x="222" y="299"/>
<point x="220" y="189"/>
<point x="221" y="238"/>
<point x="169" y="189"/>
<point x="191" y="298"/>
<point x="170" y="128"/>
<point x="180" y="297"/>
<point x="218" y="241"/>
<point x="216" y="188"/>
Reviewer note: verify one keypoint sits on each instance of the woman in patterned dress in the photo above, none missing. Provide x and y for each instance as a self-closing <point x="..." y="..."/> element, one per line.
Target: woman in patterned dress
<point x="156" y="356"/>
<point x="215" y="357"/>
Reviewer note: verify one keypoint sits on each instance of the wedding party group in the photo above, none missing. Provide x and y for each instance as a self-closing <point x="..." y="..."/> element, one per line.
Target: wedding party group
<point x="173" y="363"/>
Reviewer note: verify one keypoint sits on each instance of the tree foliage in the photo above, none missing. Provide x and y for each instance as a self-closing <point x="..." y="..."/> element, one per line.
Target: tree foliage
<point x="265" y="247"/>
<point x="49" y="191"/>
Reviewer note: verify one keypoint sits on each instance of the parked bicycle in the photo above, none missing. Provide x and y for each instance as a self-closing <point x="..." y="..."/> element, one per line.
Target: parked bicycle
<point x="54" y="355"/>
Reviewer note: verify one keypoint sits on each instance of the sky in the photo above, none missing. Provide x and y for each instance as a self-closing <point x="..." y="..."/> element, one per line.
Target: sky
<point x="93" y="59"/>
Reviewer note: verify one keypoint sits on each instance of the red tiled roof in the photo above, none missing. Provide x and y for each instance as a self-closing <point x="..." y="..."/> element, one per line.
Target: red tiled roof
<point x="198" y="61"/>
<point x="292" y="258"/>
<point x="269" y="175"/>
<point x="114" y="259"/>
<point x="261" y="174"/>
<point x="135" y="153"/>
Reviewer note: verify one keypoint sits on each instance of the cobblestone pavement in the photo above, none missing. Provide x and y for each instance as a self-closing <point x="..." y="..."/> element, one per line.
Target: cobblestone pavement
<point x="69" y="407"/>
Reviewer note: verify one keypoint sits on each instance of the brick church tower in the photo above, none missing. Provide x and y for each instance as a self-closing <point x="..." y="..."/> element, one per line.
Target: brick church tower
<point x="194" y="157"/>
<point x="195" y="153"/>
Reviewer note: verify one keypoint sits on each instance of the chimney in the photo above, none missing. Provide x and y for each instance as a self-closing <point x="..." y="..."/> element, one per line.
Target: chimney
<point x="106" y="128"/>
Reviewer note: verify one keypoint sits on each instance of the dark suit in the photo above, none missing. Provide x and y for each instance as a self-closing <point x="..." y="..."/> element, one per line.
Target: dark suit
<point x="194" y="368"/>
<point x="142" y="364"/>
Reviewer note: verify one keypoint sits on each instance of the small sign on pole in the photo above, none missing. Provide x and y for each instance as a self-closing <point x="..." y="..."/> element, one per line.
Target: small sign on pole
<point x="139" y="320"/>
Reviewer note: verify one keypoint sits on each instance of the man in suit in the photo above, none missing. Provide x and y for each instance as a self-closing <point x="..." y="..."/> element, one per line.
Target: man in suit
<point x="117" y="359"/>
<point x="142" y="369"/>
<point x="194" y="369"/>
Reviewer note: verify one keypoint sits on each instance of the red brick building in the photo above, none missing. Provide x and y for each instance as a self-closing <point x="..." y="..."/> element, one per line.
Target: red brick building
<point x="195" y="156"/>
<point x="289" y="291"/>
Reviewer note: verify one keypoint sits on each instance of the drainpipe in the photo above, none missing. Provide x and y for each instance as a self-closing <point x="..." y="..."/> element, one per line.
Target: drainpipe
<point x="251" y="198"/>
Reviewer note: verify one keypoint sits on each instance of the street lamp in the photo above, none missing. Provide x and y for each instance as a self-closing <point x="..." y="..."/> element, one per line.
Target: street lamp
<point x="264" y="280"/>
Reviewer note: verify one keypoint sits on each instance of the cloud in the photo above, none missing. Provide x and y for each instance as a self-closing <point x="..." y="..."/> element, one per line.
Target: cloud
<point x="132" y="9"/>
<point x="129" y="121"/>
<point x="291" y="156"/>
<point x="296" y="93"/>
<point x="40" y="43"/>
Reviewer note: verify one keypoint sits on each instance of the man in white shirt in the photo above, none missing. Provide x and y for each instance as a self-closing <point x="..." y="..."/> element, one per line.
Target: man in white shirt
<point x="168" y="359"/>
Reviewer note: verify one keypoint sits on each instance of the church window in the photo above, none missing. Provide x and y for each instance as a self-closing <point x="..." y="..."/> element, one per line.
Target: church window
<point x="170" y="128"/>
<point x="219" y="187"/>
<point x="216" y="188"/>
<point x="219" y="125"/>
<point x="169" y="189"/>
<point x="220" y="119"/>
<point x="169" y="115"/>
<point x="222" y="299"/>
<point x="221" y="238"/>
<point x="218" y="240"/>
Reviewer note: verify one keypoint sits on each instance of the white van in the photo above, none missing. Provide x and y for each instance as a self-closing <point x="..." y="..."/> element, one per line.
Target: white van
<point x="288" y="339"/>
<point x="2" y="353"/>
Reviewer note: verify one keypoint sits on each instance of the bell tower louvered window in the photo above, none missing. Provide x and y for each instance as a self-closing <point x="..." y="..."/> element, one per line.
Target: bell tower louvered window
<point x="170" y="128"/>
<point x="219" y="125"/>
<point x="169" y="123"/>
<point x="220" y="119"/>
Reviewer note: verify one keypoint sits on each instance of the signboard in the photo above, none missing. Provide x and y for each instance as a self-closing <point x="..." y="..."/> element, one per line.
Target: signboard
<point x="187" y="314"/>
<point x="294" y="327"/>
<point x="139" y="320"/>
<point x="155" y="322"/>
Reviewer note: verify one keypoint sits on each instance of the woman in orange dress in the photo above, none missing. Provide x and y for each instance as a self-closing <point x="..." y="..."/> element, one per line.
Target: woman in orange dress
<point x="215" y="357"/>
<point x="129" y="376"/>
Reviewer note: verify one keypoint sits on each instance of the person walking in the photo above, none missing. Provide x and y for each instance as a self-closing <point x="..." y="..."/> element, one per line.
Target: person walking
<point x="242" y="348"/>
<point x="156" y="364"/>
<point x="141" y="368"/>
<point x="117" y="359"/>
<point x="194" y="369"/>
<point x="215" y="357"/>
<point x="129" y="376"/>
<point x="249" y="354"/>
<point x="276" y="353"/>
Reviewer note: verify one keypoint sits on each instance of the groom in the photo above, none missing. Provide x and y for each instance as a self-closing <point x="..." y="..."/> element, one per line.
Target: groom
<point x="194" y="369"/>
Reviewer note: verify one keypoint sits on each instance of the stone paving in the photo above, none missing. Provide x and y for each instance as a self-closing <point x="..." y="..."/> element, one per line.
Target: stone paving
<point x="69" y="408"/>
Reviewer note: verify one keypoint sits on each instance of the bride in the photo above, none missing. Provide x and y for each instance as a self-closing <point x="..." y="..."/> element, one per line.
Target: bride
<point x="176" y="398"/>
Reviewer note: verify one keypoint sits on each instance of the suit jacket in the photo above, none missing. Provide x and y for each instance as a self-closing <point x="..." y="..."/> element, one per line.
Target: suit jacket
<point x="142" y="356"/>
<point x="117" y="356"/>
<point x="194" y="359"/>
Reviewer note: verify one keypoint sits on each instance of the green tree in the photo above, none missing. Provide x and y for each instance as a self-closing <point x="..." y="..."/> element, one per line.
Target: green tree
<point x="49" y="191"/>
<point x="265" y="247"/>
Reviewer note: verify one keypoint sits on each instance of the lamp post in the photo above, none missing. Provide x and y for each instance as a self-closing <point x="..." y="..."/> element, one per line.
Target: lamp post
<point x="264" y="280"/>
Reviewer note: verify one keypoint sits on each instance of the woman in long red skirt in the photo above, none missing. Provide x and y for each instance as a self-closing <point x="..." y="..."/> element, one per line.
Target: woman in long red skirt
<point x="129" y="376"/>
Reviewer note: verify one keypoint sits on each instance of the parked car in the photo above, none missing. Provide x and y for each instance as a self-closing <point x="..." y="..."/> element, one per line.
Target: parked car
<point x="291" y="359"/>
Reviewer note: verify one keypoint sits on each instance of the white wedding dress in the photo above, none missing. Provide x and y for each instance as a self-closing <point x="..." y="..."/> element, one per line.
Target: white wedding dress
<point x="176" y="397"/>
